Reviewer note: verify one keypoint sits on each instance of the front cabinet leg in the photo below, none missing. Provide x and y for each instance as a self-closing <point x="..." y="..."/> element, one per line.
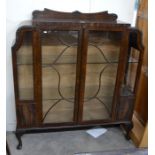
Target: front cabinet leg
<point x="128" y="127"/>
<point x="18" y="136"/>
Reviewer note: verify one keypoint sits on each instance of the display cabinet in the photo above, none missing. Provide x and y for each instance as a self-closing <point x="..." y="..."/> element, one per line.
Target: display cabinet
<point x="74" y="71"/>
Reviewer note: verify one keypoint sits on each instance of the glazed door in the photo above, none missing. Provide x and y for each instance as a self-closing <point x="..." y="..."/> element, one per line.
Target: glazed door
<point x="103" y="55"/>
<point x="59" y="76"/>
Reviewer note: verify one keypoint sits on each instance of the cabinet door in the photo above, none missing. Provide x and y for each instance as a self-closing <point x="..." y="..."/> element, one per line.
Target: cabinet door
<point x="101" y="72"/>
<point x="59" y="59"/>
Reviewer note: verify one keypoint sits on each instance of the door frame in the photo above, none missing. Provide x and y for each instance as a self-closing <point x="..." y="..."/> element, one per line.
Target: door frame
<point x="120" y="69"/>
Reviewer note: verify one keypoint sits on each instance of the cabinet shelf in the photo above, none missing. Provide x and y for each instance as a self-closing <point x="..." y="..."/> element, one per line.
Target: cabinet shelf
<point x="131" y="60"/>
<point x="48" y="65"/>
<point x="26" y="93"/>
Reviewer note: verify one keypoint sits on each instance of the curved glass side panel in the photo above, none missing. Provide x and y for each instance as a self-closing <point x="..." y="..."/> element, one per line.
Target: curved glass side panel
<point x="25" y="68"/>
<point x="128" y="85"/>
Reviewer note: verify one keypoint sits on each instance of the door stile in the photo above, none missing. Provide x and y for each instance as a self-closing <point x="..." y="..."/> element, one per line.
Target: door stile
<point x="78" y="73"/>
<point x="37" y="76"/>
<point x="83" y="46"/>
<point x="120" y="72"/>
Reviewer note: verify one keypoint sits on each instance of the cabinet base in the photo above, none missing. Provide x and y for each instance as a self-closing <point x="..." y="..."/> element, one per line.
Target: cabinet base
<point x="19" y="132"/>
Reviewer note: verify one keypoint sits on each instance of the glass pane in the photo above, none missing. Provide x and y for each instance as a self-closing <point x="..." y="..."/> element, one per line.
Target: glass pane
<point x="59" y="55"/>
<point x="131" y="72"/>
<point x="25" y="68"/>
<point x="101" y="71"/>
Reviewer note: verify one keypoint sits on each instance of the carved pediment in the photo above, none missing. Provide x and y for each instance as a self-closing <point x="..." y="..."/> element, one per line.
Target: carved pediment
<point x="47" y="14"/>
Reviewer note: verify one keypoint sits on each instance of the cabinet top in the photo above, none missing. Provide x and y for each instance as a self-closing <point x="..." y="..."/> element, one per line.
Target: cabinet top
<point x="49" y="19"/>
<point x="49" y="16"/>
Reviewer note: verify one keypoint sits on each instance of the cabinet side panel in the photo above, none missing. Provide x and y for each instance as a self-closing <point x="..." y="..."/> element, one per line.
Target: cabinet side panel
<point x="125" y="109"/>
<point x="24" y="80"/>
<point x="26" y="115"/>
<point x="24" y="63"/>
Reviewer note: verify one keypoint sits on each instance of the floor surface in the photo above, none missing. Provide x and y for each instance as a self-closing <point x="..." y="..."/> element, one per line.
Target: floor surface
<point x="130" y="151"/>
<point x="68" y="142"/>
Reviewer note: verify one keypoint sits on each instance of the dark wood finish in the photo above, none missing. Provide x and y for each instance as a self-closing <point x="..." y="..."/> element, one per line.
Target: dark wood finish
<point x="18" y="136"/>
<point x="84" y="44"/>
<point x="121" y="71"/>
<point x="29" y="112"/>
<point x="7" y="149"/>
<point x="125" y="108"/>
<point x="37" y="76"/>
<point x="50" y="15"/>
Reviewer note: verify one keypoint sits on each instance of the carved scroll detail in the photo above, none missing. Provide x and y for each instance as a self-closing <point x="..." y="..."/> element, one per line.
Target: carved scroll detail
<point x="47" y="14"/>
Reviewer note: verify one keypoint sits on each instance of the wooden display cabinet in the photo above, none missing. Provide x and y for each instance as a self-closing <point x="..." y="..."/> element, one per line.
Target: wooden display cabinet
<point x="72" y="71"/>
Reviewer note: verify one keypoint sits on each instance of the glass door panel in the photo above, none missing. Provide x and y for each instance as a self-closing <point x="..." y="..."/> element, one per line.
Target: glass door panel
<point x="59" y="56"/>
<point x="25" y="68"/>
<point x="101" y="71"/>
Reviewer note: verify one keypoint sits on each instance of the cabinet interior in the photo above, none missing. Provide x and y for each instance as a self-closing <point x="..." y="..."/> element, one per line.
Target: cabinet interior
<point x="59" y="61"/>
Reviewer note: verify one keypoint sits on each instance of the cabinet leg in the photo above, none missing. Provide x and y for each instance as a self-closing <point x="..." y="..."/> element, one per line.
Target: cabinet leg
<point x="7" y="149"/>
<point x="18" y="136"/>
<point x="128" y="127"/>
